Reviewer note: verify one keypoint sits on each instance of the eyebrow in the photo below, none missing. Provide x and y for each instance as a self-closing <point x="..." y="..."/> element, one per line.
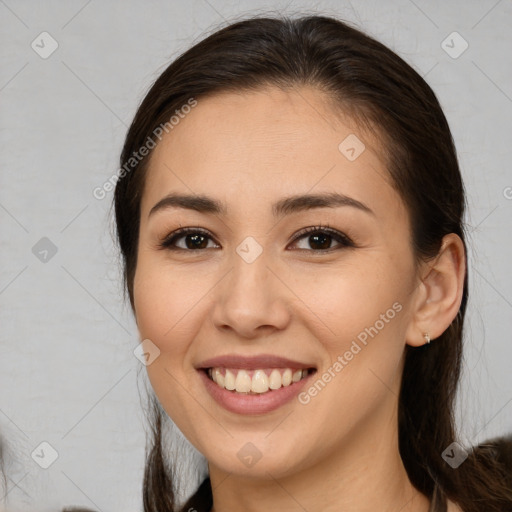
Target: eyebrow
<point x="286" y="206"/>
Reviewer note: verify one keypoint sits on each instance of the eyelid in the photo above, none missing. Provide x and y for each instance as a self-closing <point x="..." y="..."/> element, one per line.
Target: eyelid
<point x="342" y="239"/>
<point x="165" y="242"/>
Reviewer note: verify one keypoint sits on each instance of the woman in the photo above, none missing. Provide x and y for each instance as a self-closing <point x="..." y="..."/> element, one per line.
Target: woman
<point x="290" y="214"/>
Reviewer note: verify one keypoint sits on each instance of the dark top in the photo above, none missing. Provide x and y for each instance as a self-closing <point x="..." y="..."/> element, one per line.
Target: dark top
<point x="202" y="499"/>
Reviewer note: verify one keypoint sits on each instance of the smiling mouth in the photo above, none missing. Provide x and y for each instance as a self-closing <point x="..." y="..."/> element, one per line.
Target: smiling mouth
<point x="256" y="382"/>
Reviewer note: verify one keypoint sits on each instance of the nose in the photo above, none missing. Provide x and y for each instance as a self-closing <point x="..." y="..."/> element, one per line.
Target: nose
<point x="251" y="300"/>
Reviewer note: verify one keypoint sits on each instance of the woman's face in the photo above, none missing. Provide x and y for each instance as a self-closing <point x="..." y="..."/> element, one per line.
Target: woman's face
<point x="249" y="287"/>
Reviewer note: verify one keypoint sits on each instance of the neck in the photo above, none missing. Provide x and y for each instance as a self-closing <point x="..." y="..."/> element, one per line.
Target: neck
<point x="363" y="475"/>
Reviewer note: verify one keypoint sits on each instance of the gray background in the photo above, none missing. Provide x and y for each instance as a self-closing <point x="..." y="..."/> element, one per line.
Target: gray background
<point x="68" y="374"/>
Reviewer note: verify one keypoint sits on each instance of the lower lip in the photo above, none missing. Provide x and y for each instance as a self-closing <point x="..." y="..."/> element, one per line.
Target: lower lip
<point x="253" y="404"/>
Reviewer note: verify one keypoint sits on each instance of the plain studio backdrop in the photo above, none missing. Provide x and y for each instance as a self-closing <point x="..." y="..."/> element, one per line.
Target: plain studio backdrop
<point x="71" y="77"/>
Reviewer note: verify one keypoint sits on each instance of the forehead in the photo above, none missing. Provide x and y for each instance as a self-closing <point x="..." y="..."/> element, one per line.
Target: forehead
<point x="266" y="144"/>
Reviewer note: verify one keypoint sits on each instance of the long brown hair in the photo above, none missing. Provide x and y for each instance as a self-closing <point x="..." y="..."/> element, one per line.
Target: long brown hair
<point x="380" y="90"/>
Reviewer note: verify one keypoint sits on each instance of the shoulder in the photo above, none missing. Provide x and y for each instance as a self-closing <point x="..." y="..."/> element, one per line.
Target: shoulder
<point x="495" y="457"/>
<point x="498" y="449"/>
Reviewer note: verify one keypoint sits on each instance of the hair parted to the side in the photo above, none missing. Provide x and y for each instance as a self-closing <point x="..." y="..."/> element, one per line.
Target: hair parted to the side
<point x="379" y="90"/>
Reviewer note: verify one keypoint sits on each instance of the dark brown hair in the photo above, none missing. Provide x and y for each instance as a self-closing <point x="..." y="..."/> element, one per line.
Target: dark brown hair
<point x="379" y="90"/>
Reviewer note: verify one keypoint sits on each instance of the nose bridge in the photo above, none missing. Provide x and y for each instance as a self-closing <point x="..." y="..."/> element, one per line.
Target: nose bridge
<point x="249" y="297"/>
<point x="250" y="270"/>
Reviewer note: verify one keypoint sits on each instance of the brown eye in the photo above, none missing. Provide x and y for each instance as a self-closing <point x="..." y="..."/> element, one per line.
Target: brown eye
<point x="320" y="238"/>
<point x="194" y="239"/>
<point x="320" y="241"/>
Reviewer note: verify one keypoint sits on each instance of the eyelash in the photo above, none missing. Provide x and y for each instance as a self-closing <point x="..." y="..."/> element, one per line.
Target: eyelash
<point x="344" y="241"/>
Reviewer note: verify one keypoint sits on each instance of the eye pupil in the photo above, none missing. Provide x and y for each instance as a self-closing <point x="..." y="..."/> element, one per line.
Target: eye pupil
<point x="195" y="241"/>
<point x="324" y="240"/>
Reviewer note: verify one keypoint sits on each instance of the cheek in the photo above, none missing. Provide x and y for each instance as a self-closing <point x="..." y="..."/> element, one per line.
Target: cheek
<point x="152" y="306"/>
<point x="166" y="303"/>
<point x="366" y="316"/>
<point x="365" y="310"/>
<point x="348" y="301"/>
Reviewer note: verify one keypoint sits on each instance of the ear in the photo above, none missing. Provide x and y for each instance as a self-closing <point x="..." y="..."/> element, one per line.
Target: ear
<point x="439" y="294"/>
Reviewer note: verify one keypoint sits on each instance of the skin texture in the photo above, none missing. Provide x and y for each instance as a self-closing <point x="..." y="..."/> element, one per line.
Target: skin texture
<point x="339" y="451"/>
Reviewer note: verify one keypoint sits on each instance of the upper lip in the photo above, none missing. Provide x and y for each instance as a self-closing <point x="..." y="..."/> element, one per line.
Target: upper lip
<point x="252" y="362"/>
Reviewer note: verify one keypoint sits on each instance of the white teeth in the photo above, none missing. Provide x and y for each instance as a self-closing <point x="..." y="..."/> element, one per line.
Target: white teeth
<point x="218" y="377"/>
<point x="260" y="382"/>
<point x="287" y="377"/>
<point x="229" y="381"/>
<point x="275" y="380"/>
<point x="243" y="382"/>
<point x="297" y="376"/>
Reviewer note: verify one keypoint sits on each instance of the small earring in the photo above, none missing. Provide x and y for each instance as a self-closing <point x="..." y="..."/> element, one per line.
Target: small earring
<point x="427" y="337"/>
